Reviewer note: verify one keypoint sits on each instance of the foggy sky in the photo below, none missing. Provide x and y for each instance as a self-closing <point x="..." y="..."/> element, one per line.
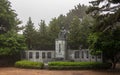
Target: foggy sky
<point x="43" y="9"/>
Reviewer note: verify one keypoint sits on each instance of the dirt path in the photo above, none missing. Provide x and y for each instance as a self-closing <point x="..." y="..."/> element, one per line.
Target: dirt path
<point x="16" y="71"/>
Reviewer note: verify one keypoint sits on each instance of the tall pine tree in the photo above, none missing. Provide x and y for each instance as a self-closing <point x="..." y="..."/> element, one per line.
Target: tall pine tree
<point x="29" y="33"/>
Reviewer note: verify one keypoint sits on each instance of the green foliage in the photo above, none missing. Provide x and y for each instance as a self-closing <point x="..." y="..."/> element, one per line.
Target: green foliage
<point x="61" y="21"/>
<point x="42" y="28"/>
<point x="8" y="18"/>
<point x="105" y="14"/>
<point x="29" y="64"/>
<point x="79" y="32"/>
<point x="42" y="36"/>
<point x="74" y="31"/>
<point x="79" y="11"/>
<point x="78" y="65"/>
<point x="85" y="30"/>
<point x="76" y="22"/>
<point x="11" y="44"/>
<point x="106" y="30"/>
<point x="79" y="24"/>
<point x="107" y="43"/>
<point x="53" y="31"/>
<point x="29" y="33"/>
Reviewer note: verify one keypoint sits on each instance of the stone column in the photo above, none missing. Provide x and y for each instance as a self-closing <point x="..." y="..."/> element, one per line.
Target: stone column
<point x="60" y="49"/>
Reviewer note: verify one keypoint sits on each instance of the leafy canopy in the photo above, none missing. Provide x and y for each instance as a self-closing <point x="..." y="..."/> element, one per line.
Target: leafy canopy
<point x="8" y="17"/>
<point x="106" y="13"/>
<point x="11" y="44"/>
<point x="105" y="36"/>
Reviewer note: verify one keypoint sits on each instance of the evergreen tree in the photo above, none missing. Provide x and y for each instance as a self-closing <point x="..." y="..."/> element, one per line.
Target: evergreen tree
<point x="11" y="43"/>
<point x="79" y="11"/>
<point x="8" y="18"/>
<point x="105" y="34"/>
<point x="43" y="41"/>
<point x="77" y="29"/>
<point x="85" y="30"/>
<point x="61" y="21"/>
<point x="42" y="28"/>
<point x="29" y="33"/>
<point x="53" y="32"/>
<point x="74" y="34"/>
<point x="107" y="15"/>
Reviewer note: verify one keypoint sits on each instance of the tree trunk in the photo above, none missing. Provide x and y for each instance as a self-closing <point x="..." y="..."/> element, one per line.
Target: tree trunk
<point x="114" y="62"/>
<point x="114" y="65"/>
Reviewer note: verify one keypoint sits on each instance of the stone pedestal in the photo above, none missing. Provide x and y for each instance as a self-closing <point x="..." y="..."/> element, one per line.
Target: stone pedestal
<point x="60" y="49"/>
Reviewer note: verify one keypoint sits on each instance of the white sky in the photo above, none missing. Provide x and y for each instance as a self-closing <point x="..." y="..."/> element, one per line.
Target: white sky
<point x="43" y="9"/>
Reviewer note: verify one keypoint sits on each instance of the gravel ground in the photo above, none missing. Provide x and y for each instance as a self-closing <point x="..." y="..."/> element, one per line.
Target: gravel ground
<point x="16" y="71"/>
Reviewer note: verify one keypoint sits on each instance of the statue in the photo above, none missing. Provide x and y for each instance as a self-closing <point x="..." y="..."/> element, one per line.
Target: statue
<point x="62" y="33"/>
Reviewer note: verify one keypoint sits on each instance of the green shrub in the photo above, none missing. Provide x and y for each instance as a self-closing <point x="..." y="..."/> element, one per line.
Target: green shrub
<point x="29" y="64"/>
<point x="78" y="65"/>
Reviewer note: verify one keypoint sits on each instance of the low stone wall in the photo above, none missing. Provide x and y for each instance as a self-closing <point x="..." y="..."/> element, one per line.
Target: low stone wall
<point x="72" y="55"/>
<point x="39" y="55"/>
<point x="83" y="55"/>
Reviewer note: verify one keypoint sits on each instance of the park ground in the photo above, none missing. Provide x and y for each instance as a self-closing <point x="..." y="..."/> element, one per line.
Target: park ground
<point x="17" y="71"/>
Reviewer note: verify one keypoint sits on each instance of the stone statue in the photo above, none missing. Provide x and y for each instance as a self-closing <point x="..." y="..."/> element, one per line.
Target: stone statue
<point x="62" y="33"/>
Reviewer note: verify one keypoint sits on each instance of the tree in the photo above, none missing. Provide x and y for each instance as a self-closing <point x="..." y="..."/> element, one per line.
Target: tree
<point x="42" y="28"/>
<point x="105" y="35"/>
<point x="84" y="25"/>
<point x="70" y="25"/>
<point x="107" y="15"/>
<point x="107" y="43"/>
<point x="29" y="33"/>
<point x="85" y="30"/>
<point x="8" y="18"/>
<point x="74" y="35"/>
<point x="53" y="31"/>
<point x="11" y="45"/>
<point x="79" y="11"/>
<point x="43" y="41"/>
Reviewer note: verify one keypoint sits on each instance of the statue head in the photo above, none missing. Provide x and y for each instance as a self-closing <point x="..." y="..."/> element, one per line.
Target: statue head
<point x="62" y="33"/>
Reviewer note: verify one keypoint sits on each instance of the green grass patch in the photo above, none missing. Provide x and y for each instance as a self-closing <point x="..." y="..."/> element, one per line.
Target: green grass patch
<point x="29" y="64"/>
<point x="78" y="65"/>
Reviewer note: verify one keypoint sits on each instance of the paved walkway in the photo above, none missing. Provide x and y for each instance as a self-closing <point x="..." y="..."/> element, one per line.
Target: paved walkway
<point x="16" y="71"/>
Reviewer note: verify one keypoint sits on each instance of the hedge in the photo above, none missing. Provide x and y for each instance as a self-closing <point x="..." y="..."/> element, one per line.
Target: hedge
<point x="29" y="64"/>
<point x="78" y="65"/>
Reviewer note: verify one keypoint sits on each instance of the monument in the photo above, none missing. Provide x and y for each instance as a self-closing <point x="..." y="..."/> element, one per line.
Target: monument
<point x="61" y="53"/>
<point x="61" y="45"/>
